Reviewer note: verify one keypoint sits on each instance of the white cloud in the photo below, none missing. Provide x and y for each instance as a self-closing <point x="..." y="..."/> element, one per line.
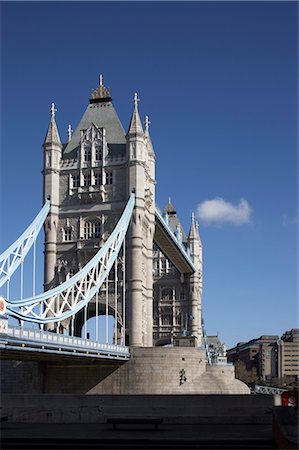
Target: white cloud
<point x="218" y="211"/>
<point x="289" y="221"/>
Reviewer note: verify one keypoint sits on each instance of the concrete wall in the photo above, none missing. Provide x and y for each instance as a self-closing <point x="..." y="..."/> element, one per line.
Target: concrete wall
<point x="22" y="377"/>
<point x="32" y="377"/>
<point x="178" y="409"/>
<point x="152" y="371"/>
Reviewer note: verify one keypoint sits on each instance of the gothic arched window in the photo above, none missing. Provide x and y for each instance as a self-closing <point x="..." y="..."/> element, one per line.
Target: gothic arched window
<point x="98" y="153"/>
<point x="67" y="234"/>
<point x="92" y="229"/>
<point x="86" y="179"/>
<point x="87" y="154"/>
<point x="97" y="178"/>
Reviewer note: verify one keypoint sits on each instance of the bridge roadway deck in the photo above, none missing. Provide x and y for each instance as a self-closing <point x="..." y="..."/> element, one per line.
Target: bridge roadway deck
<point x="20" y="344"/>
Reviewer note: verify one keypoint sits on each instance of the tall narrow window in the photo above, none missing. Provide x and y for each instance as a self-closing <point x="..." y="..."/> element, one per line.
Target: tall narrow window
<point x="109" y="177"/>
<point x="75" y="181"/>
<point x="86" y="179"/>
<point x="98" y="178"/>
<point x="163" y="265"/>
<point x="97" y="230"/>
<point x="87" y="154"/>
<point x="67" y="234"/>
<point x="99" y="153"/>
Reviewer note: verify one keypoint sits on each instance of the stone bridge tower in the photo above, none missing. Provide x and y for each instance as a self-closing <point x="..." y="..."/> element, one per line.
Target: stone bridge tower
<point x="89" y="179"/>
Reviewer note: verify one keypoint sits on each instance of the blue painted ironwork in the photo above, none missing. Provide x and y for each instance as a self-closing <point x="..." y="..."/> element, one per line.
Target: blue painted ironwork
<point x="16" y="253"/>
<point x="65" y="300"/>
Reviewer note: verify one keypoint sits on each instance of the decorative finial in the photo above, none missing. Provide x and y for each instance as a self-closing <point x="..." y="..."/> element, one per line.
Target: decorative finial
<point x="193" y="218"/>
<point x="147" y="123"/>
<point x="53" y="111"/>
<point x="136" y="100"/>
<point x="101" y="91"/>
<point x="69" y="133"/>
<point x="169" y="200"/>
<point x="197" y="225"/>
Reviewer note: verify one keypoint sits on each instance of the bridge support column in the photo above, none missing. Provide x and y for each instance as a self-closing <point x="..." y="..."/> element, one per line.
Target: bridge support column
<point x="134" y="264"/>
<point x="141" y="180"/>
<point x="195" y="281"/>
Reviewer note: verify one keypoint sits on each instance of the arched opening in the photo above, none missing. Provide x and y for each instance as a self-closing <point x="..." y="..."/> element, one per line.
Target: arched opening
<point x="97" y="328"/>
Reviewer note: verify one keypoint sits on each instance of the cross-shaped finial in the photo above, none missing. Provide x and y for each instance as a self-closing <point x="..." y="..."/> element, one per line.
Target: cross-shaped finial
<point x="101" y="79"/>
<point x="136" y="99"/>
<point x="147" y="123"/>
<point x="69" y="132"/>
<point x="53" y="110"/>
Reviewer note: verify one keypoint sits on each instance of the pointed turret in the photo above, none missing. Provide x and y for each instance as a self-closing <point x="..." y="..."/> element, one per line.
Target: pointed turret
<point x="69" y="133"/>
<point x="169" y="208"/>
<point x="52" y="157"/>
<point x="148" y="140"/>
<point x="135" y="124"/>
<point x="193" y="230"/>
<point x="197" y="229"/>
<point x="52" y="136"/>
<point x="195" y="280"/>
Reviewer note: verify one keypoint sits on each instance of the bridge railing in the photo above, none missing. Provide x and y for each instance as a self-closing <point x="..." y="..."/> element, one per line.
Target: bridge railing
<point x="269" y="390"/>
<point x="56" y="339"/>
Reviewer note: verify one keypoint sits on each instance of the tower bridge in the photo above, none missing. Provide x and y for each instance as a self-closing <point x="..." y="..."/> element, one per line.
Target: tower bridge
<point x="109" y="250"/>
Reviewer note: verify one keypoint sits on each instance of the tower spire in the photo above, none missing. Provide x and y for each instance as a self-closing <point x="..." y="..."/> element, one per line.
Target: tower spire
<point x="53" y="111"/>
<point x="146" y="123"/>
<point x="147" y="137"/>
<point x="193" y="233"/>
<point x="135" y="124"/>
<point x="69" y="133"/>
<point x="52" y="136"/>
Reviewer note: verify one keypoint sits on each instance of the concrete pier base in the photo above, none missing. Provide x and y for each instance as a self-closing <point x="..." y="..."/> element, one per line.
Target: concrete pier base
<point x="170" y="371"/>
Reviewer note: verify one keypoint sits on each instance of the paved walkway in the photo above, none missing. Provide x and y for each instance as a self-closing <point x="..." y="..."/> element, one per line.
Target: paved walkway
<point x="222" y="436"/>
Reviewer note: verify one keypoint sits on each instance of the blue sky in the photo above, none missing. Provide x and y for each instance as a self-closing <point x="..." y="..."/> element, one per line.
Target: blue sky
<point x="219" y="81"/>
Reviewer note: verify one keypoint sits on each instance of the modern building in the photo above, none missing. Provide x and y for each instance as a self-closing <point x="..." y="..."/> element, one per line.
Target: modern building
<point x="288" y="356"/>
<point x="255" y="360"/>
<point x="268" y="359"/>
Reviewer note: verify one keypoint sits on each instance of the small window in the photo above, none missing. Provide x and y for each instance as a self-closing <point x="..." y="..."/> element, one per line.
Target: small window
<point x="182" y="296"/>
<point x="67" y="234"/>
<point x="75" y="181"/>
<point x="92" y="230"/>
<point x="163" y="265"/>
<point x="98" y="178"/>
<point x="167" y="294"/>
<point x="109" y="177"/>
<point x="86" y="179"/>
<point x="99" y="153"/>
<point x="87" y="154"/>
<point x="178" y="320"/>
